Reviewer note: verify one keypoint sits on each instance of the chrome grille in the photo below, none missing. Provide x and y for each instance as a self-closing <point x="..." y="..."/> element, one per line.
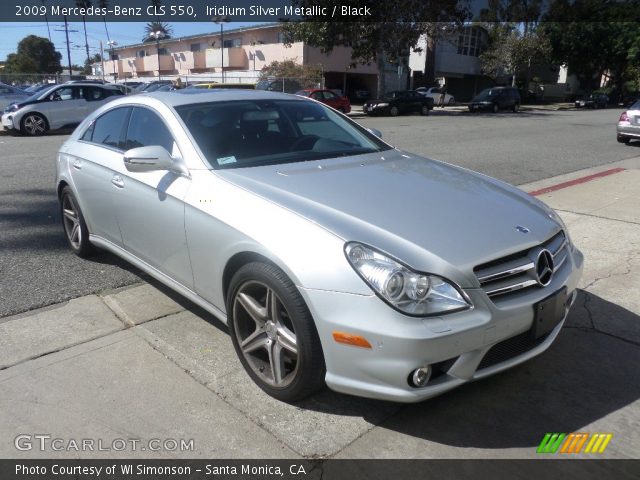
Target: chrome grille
<point x="518" y="271"/>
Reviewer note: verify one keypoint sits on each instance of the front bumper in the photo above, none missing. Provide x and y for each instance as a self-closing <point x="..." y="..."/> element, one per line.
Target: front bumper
<point x="375" y="109"/>
<point x="7" y="121"/>
<point x="476" y="107"/>
<point x="454" y="345"/>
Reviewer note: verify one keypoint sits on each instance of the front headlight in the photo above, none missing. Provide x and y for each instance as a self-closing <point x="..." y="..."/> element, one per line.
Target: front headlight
<point x="412" y="293"/>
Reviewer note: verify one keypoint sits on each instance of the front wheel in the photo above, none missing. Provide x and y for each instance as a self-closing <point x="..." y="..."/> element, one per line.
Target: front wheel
<point x="424" y="110"/>
<point x="75" y="228"/>
<point x="516" y="107"/>
<point x="394" y="111"/>
<point x="452" y="101"/>
<point x="34" y="124"/>
<point x="273" y="333"/>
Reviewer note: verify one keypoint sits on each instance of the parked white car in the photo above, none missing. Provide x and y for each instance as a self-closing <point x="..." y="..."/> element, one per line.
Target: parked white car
<point x="435" y="92"/>
<point x="57" y="107"/>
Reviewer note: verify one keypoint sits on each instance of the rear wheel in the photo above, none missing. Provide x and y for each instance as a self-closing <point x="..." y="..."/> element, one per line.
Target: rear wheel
<point x="516" y="107"/>
<point x="75" y="228"/>
<point x="273" y="333"/>
<point x="34" y="124"/>
<point x="394" y="111"/>
<point x="424" y="110"/>
<point x="622" y="139"/>
<point x="495" y="108"/>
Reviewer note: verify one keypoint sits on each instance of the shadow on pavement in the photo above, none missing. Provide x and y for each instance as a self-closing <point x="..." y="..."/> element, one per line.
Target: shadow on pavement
<point x="582" y="378"/>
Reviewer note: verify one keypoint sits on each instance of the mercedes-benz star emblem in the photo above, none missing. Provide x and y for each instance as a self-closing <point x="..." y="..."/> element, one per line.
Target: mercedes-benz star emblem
<point x="522" y="229"/>
<point x="544" y="268"/>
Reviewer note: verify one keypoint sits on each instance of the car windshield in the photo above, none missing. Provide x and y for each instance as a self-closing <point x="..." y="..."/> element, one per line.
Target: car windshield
<point x="484" y="94"/>
<point x="250" y="133"/>
<point x="635" y="106"/>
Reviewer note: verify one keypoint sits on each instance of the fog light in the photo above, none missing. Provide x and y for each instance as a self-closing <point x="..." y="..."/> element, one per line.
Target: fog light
<point x="421" y="376"/>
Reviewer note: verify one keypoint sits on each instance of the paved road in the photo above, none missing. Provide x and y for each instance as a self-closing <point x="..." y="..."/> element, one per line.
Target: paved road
<point x="36" y="268"/>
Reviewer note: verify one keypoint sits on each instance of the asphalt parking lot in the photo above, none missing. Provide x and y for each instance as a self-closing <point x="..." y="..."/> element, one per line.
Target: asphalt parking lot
<point x="172" y="371"/>
<point x="38" y="269"/>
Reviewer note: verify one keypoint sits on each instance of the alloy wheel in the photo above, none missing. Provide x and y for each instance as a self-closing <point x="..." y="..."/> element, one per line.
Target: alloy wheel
<point x="35" y="125"/>
<point x="71" y="221"/>
<point x="265" y="334"/>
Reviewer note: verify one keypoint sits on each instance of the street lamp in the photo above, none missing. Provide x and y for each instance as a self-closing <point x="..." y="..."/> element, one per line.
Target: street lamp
<point x="221" y="20"/>
<point x="112" y="44"/>
<point x="158" y="34"/>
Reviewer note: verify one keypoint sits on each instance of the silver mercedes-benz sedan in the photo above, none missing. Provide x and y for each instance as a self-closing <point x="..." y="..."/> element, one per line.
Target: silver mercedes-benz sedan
<point x="334" y="258"/>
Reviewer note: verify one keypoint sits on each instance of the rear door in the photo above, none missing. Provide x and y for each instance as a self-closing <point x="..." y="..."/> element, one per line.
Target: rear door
<point x="95" y="160"/>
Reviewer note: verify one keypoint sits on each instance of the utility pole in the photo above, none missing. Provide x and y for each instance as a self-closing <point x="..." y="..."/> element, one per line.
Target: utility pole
<point x="221" y="19"/>
<point x="102" y="58"/>
<point x="158" y="35"/>
<point x="112" y="44"/>
<point x="66" y="32"/>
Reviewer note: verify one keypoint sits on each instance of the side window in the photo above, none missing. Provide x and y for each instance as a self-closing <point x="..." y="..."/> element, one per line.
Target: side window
<point x="147" y="129"/>
<point x="63" y="94"/>
<point x="316" y="95"/>
<point x="93" y="94"/>
<point x="108" y="129"/>
<point x="329" y="95"/>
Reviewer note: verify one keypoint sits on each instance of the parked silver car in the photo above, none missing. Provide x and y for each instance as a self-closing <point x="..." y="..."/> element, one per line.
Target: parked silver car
<point x="9" y="94"/>
<point x="57" y="107"/>
<point x="332" y="257"/>
<point x="628" y="127"/>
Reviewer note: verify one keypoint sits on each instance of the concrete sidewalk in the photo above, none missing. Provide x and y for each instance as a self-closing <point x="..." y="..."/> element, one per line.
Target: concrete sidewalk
<point x="142" y="363"/>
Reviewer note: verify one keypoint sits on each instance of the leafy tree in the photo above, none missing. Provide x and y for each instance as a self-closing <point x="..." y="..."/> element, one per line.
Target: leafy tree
<point x="594" y="38"/>
<point x="153" y="27"/>
<point x="34" y="55"/>
<point x="308" y="75"/>
<point x="87" y="70"/>
<point x="387" y="37"/>
<point x="512" y="51"/>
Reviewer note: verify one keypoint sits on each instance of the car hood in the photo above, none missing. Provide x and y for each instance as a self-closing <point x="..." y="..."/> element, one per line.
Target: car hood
<point x="431" y="215"/>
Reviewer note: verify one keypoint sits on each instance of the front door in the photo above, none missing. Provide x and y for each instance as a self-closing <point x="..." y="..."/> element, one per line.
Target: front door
<point x="151" y="211"/>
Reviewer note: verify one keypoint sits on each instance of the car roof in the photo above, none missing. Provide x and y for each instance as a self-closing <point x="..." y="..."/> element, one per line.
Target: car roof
<point x="188" y="96"/>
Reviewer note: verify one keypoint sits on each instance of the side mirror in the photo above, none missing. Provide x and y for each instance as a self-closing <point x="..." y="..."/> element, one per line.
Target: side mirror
<point x="375" y="132"/>
<point x="147" y="159"/>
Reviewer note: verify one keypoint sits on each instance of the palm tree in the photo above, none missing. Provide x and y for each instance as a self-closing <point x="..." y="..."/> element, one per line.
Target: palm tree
<point x="85" y="4"/>
<point x="153" y="27"/>
<point x="105" y="4"/>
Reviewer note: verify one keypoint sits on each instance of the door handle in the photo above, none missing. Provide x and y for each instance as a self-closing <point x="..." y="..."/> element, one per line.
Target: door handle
<point x="118" y="181"/>
<point x="77" y="164"/>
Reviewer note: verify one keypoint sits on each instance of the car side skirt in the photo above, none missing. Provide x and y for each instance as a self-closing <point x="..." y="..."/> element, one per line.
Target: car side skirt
<point x="158" y="275"/>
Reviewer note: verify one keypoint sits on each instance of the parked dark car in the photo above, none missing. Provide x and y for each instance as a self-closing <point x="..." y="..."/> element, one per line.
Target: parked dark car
<point x="151" y="86"/>
<point x="628" y="99"/>
<point x="495" y="99"/>
<point x="397" y="102"/>
<point x="279" y="85"/>
<point x="595" y="100"/>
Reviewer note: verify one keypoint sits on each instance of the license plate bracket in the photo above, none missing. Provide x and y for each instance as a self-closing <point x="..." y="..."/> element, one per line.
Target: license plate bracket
<point x="548" y="313"/>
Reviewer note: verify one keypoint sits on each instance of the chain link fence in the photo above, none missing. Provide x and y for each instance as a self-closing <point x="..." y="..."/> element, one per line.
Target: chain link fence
<point x="203" y="80"/>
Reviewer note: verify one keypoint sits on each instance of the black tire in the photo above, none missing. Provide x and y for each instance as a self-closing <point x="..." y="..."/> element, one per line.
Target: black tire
<point x="424" y="110"/>
<point x="516" y="107"/>
<point x="622" y="139"/>
<point x="452" y="101"/>
<point x="394" y="111"/>
<point x="75" y="228"/>
<point x="495" y="108"/>
<point x="257" y="281"/>
<point x="34" y="124"/>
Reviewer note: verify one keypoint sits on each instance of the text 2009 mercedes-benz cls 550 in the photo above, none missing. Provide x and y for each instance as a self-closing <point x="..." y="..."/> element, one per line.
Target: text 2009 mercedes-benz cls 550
<point x="334" y="258"/>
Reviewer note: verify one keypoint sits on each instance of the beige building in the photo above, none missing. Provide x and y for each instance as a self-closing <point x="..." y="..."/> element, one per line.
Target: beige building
<point x="243" y="52"/>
